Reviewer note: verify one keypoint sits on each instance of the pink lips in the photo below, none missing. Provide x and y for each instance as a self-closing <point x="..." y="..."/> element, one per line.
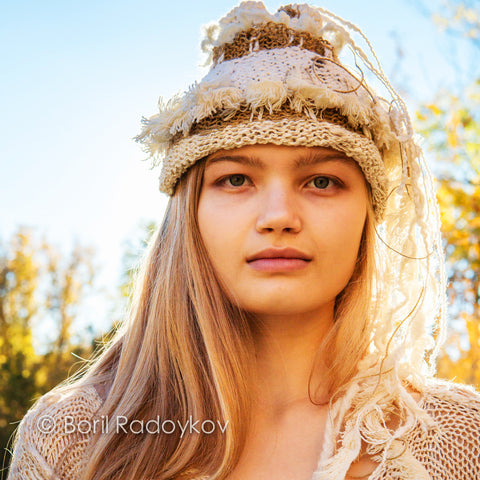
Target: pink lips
<point x="279" y="260"/>
<point x="278" y="264"/>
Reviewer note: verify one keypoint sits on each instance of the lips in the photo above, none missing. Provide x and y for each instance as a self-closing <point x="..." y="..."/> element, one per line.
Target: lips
<point x="279" y="260"/>
<point x="284" y="253"/>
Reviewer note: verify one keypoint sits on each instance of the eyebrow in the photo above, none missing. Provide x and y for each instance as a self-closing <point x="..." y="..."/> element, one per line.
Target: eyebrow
<point x="302" y="161"/>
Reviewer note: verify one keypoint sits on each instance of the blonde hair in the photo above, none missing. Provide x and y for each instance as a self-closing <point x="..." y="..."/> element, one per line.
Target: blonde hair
<point x="186" y="350"/>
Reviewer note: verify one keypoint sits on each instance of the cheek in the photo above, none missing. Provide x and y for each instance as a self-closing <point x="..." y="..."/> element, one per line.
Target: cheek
<point x="340" y="238"/>
<point x="220" y="232"/>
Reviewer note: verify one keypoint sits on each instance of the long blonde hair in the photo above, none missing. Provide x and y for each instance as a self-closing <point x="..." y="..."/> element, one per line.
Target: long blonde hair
<point x="187" y="351"/>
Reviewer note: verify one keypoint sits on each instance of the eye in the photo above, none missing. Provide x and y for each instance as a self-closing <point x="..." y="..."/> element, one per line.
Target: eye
<point x="234" y="180"/>
<point x="322" y="182"/>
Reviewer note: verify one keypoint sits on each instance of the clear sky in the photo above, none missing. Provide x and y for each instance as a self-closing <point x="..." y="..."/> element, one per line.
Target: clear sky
<point x="76" y="78"/>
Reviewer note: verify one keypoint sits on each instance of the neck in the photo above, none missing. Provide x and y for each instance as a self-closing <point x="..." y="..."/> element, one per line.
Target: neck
<point x="289" y="359"/>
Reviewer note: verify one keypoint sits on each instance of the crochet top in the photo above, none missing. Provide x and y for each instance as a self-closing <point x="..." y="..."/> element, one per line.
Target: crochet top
<point x="45" y="450"/>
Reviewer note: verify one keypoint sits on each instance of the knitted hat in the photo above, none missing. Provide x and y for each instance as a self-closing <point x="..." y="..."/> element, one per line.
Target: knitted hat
<point x="282" y="79"/>
<point x="276" y="79"/>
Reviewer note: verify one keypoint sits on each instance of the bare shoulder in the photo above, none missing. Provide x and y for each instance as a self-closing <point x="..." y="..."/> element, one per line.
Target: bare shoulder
<point x="48" y="431"/>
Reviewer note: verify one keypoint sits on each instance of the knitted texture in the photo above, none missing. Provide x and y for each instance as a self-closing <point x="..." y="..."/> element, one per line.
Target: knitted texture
<point x="269" y="36"/>
<point x="301" y="132"/>
<point x="447" y="451"/>
<point x="263" y="68"/>
<point x="44" y="449"/>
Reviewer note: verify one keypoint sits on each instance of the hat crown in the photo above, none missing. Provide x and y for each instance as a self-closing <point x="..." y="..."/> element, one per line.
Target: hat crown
<point x="250" y="27"/>
<point x="268" y="36"/>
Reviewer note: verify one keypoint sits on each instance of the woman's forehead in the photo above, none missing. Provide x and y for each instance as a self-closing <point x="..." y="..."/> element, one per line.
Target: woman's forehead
<point x="263" y="155"/>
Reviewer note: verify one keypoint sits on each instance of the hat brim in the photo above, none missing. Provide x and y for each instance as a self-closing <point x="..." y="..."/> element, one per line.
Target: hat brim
<point x="286" y="131"/>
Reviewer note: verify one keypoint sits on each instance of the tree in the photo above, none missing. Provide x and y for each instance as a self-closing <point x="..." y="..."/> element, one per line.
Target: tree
<point x="451" y="124"/>
<point x="19" y="272"/>
<point x="38" y="286"/>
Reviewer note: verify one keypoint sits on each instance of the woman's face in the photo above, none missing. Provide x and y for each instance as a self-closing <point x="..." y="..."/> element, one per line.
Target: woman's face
<point x="282" y="225"/>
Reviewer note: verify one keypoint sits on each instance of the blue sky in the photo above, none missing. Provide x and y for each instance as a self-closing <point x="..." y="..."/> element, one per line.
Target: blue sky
<point x="76" y="78"/>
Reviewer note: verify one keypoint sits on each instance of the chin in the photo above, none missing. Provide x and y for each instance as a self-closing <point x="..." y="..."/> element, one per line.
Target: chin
<point x="282" y="305"/>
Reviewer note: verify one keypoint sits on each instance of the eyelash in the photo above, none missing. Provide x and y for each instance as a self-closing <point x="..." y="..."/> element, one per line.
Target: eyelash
<point x="336" y="182"/>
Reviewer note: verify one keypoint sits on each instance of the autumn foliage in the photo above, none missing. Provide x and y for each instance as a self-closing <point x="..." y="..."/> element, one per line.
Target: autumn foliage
<point x="451" y="125"/>
<point x="40" y="291"/>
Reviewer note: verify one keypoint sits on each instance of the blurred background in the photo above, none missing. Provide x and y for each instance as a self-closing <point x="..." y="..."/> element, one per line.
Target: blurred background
<point x="79" y="202"/>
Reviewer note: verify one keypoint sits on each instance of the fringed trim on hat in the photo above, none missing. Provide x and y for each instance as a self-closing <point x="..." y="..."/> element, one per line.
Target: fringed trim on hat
<point x="245" y="115"/>
<point x="203" y="101"/>
<point x="269" y="95"/>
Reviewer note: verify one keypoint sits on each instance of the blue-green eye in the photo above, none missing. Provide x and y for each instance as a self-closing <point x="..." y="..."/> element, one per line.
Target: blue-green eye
<point x="236" y="180"/>
<point x="322" y="182"/>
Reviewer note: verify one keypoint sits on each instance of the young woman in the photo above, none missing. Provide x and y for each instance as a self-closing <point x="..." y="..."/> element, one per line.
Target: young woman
<point x="292" y="304"/>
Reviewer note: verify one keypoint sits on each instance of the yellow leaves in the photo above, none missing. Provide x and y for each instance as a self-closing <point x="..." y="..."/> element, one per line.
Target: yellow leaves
<point x="22" y="269"/>
<point x="458" y="17"/>
<point x="440" y="21"/>
<point x="474" y="91"/>
<point x="465" y="368"/>
<point x="475" y="223"/>
<point x="41" y="376"/>
<point x="420" y="116"/>
<point x="473" y="329"/>
<point x="37" y="283"/>
<point x="434" y="109"/>
<point x="451" y="127"/>
<point x="452" y="138"/>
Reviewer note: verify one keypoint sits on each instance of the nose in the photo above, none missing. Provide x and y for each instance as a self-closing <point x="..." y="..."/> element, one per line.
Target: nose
<point x="278" y="210"/>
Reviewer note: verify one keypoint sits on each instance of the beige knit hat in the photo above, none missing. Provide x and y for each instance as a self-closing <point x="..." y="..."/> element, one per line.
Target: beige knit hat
<point x="276" y="79"/>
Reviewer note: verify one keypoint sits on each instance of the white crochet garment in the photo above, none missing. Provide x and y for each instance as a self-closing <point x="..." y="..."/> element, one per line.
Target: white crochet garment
<point x="449" y="452"/>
